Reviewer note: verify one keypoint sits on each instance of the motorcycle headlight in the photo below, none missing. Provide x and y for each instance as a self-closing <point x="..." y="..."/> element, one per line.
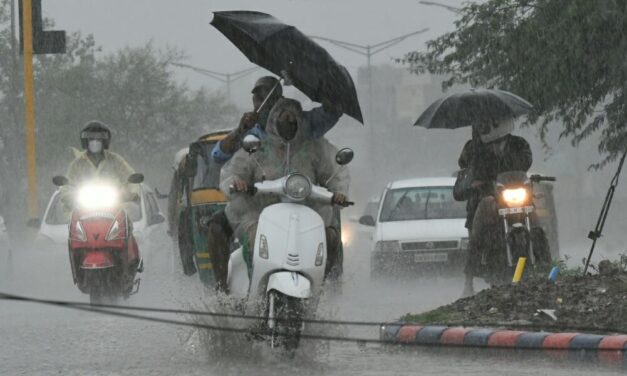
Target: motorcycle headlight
<point x="515" y="197"/>
<point x="297" y="187"/>
<point x="93" y="197"/>
<point x="387" y="246"/>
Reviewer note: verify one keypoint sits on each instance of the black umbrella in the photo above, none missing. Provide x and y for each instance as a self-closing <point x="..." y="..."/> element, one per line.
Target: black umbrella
<point x="285" y="51"/>
<point x="465" y="109"/>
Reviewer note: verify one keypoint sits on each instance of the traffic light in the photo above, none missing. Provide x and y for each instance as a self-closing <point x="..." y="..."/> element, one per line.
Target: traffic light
<point x="44" y="42"/>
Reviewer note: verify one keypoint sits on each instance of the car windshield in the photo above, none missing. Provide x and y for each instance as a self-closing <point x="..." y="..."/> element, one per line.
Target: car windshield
<point x="416" y="203"/>
<point x="59" y="214"/>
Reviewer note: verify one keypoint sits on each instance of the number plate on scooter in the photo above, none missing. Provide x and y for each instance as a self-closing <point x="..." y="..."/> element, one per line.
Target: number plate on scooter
<point x="431" y="257"/>
<point x="506" y="211"/>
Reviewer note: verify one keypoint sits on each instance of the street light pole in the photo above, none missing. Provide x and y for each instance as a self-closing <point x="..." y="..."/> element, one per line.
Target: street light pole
<point x="226" y="78"/>
<point x="368" y="51"/>
<point x="447" y="7"/>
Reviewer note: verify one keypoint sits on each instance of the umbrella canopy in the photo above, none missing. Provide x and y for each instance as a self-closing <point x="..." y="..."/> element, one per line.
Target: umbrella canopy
<point x="464" y="109"/>
<point x="284" y="50"/>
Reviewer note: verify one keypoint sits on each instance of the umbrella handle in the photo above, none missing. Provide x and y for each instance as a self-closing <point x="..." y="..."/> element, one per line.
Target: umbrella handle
<point x="268" y="96"/>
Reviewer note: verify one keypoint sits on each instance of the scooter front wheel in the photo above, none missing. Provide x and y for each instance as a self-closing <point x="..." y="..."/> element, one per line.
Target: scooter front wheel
<point x="285" y="321"/>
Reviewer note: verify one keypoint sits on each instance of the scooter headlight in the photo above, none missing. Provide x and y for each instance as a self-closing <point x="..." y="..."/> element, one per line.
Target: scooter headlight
<point x="263" y="247"/>
<point x="320" y="254"/>
<point x="515" y="197"/>
<point x="79" y="233"/>
<point x="96" y="196"/>
<point x="114" y="231"/>
<point x="297" y="187"/>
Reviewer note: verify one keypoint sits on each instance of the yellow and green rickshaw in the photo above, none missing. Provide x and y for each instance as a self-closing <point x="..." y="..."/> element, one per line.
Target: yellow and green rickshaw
<point x="199" y="197"/>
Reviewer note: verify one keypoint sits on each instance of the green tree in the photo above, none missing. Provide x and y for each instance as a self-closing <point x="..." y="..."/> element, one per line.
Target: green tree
<point x="567" y="57"/>
<point x="134" y="90"/>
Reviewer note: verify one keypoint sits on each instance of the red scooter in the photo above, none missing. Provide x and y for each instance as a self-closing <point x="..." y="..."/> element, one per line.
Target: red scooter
<point x="104" y="256"/>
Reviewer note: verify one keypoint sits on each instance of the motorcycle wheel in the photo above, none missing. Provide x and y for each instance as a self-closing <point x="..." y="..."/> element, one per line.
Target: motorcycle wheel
<point x="286" y="333"/>
<point x="99" y="285"/>
<point x="541" y="248"/>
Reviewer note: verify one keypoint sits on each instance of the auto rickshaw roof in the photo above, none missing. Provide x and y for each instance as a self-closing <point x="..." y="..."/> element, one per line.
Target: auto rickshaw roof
<point x="214" y="136"/>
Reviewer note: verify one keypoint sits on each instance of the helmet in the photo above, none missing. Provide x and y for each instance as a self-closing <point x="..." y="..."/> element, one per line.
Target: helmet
<point x="95" y="130"/>
<point x="269" y="82"/>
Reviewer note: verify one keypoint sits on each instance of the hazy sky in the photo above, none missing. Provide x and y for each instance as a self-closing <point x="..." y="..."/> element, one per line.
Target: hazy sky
<point x="185" y="24"/>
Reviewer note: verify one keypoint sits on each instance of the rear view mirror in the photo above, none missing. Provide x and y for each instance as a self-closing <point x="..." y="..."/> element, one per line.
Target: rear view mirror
<point x="136" y="178"/>
<point x="367" y="220"/>
<point x="34" y="223"/>
<point x="344" y="156"/>
<point x="251" y="144"/>
<point x="60" y="181"/>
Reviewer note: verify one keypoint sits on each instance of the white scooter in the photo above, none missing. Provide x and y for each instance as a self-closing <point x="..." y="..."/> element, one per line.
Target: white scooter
<point x="289" y="258"/>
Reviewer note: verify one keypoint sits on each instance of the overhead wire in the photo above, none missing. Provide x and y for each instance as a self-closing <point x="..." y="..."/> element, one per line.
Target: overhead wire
<point x="109" y="309"/>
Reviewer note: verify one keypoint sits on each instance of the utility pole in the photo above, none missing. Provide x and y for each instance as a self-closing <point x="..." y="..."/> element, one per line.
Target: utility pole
<point x="34" y="41"/>
<point x="29" y="107"/>
<point x="226" y="78"/>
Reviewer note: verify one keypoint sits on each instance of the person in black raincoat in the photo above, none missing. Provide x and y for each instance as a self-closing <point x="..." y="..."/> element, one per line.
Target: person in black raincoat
<point x="493" y="150"/>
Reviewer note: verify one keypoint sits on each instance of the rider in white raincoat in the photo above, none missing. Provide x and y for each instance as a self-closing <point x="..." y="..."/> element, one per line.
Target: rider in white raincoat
<point x="312" y="158"/>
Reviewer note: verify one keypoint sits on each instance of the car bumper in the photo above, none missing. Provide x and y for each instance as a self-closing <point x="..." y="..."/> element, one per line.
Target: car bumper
<point x="416" y="260"/>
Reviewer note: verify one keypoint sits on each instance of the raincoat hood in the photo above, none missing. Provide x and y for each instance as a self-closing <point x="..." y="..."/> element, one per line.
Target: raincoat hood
<point x="282" y="105"/>
<point x="503" y="128"/>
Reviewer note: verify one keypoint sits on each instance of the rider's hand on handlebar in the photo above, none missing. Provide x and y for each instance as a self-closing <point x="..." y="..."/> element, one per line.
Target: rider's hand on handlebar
<point x="476" y="184"/>
<point x="340" y="199"/>
<point x="239" y="186"/>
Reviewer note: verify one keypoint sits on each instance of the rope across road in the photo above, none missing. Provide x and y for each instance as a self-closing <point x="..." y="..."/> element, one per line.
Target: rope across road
<point x="612" y="348"/>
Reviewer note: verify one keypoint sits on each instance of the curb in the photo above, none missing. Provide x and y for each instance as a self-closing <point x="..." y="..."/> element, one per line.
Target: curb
<point x="608" y="349"/>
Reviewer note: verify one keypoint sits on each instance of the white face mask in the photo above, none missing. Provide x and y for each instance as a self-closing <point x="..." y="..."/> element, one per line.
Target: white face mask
<point x="95" y="146"/>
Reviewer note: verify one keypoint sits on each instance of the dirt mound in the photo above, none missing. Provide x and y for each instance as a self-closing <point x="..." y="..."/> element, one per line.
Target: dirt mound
<point x="596" y="302"/>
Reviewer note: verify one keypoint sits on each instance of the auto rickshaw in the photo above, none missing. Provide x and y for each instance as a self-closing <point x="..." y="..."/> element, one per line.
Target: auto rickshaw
<point x="198" y="198"/>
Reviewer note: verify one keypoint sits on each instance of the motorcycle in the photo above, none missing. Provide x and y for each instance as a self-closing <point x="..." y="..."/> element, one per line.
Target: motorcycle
<point x="285" y="277"/>
<point x="519" y="235"/>
<point x="103" y="252"/>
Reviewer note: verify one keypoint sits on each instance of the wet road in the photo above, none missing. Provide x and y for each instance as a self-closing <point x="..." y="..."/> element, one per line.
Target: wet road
<point x="43" y="340"/>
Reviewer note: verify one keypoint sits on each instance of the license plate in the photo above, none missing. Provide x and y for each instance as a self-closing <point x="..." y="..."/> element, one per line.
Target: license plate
<point x="431" y="257"/>
<point x="506" y="211"/>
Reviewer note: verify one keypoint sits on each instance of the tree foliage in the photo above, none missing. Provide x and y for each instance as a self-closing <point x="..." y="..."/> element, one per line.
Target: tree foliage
<point x="567" y="57"/>
<point x="133" y="90"/>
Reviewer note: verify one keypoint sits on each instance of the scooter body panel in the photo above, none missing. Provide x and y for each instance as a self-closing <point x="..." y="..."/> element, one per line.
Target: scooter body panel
<point x="292" y="234"/>
<point x="291" y="284"/>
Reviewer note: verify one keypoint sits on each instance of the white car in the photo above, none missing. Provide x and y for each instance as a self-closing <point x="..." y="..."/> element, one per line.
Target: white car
<point x="54" y="226"/>
<point x="418" y="224"/>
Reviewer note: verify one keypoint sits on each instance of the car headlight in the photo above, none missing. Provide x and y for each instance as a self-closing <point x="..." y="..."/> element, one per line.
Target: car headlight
<point x="515" y="197"/>
<point x="465" y="244"/>
<point x="297" y="187"/>
<point x="96" y="196"/>
<point x="387" y="246"/>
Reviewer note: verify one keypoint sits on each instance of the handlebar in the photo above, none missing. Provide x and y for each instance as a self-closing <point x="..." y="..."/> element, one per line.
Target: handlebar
<point x="251" y="190"/>
<point x="539" y="178"/>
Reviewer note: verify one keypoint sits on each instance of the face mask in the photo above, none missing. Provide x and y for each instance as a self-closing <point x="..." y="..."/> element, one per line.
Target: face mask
<point x="287" y="129"/>
<point x="94" y="146"/>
